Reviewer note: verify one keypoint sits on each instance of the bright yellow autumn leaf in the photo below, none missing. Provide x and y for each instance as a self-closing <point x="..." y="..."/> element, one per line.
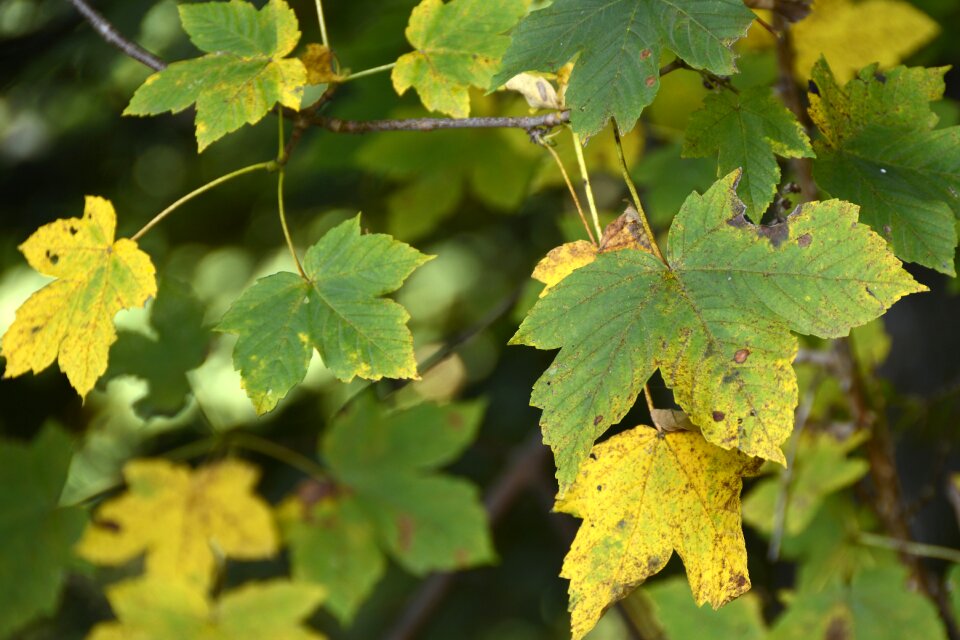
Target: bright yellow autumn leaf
<point x="851" y="35"/>
<point x="151" y="608"/>
<point x="643" y="495"/>
<point x="182" y="519"/>
<point x="71" y="319"/>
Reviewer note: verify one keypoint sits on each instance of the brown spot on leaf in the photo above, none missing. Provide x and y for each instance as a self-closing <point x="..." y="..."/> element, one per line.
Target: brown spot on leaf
<point x="109" y="525"/>
<point x="739" y="581"/>
<point x="599" y="487"/>
<point x="741" y="356"/>
<point x="405" y="529"/>
<point x="718" y="416"/>
<point x="776" y="233"/>
<point x="882" y="79"/>
<point x="52" y="257"/>
<point x="73" y="231"/>
<point x="805" y="240"/>
<point x="837" y="629"/>
<point x="455" y="420"/>
<point x="645" y="54"/>
<point x="887" y="229"/>
<point x="651" y="80"/>
<point x="597" y="420"/>
<point x="626" y="232"/>
<point x="652" y="563"/>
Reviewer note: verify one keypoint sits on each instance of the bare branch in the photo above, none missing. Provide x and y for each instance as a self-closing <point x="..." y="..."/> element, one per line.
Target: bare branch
<point x="109" y="33"/>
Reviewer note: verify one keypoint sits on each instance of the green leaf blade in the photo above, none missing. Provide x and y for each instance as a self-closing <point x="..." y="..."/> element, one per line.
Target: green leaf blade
<point x="239" y="28"/>
<point x="618" y="45"/>
<point x="879" y="149"/>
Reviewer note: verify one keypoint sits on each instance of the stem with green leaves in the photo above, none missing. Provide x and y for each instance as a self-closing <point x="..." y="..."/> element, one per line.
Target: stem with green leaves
<point x="625" y="171"/>
<point x="270" y="165"/>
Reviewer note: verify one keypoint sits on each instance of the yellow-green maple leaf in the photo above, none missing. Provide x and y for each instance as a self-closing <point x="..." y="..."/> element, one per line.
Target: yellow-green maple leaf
<point x="458" y="45"/>
<point x="151" y="608"/>
<point x="851" y="35"/>
<point x="71" y="319"/>
<point x="180" y="517"/>
<point x="643" y="495"/>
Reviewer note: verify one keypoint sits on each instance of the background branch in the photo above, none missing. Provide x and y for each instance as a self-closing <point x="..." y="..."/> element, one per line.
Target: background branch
<point x="109" y="33"/>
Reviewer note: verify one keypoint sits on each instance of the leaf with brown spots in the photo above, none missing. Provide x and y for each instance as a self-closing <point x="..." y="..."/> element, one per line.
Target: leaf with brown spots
<point x="182" y="520"/>
<point x="71" y="319"/>
<point x="388" y="490"/>
<point x="643" y="495"/>
<point x="716" y="320"/>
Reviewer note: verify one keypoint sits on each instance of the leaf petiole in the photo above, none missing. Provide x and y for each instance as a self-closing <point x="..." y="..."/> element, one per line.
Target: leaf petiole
<point x="370" y="72"/>
<point x="625" y="171"/>
<point x="578" y="148"/>
<point x="323" y="24"/>
<point x="270" y="165"/>
<point x="280" y="207"/>
<point x="573" y="191"/>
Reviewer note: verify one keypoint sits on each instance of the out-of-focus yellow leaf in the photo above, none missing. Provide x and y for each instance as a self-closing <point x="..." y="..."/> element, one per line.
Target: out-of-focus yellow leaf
<point x="71" y="319"/>
<point x="151" y="608"/>
<point x="318" y="60"/>
<point x="536" y="90"/>
<point x="180" y="518"/>
<point x="851" y="35"/>
<point x="643" y="495"/>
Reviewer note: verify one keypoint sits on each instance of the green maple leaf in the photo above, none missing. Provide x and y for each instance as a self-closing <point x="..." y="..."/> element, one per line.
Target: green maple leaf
<point x="618" y="46"/>
<point x="716" y="320"/>
<point x="177" y="317"/>
<point x="748" y="130"/>
<point x="152" y="607"/>
<point x="881" y="151"/>
<point x="458" y="45"/>
<point x="244" y="74"/>
<point x="680" y="616"/>
<point x="282" y="318"/>
<point x="38" y="536"/>
<point x="875" y="605"/>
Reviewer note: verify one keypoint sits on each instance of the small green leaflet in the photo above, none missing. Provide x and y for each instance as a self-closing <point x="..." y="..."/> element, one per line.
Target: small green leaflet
<point x="680" y="616"/>
<point x="387" y="498"/>
<point x="618" y="46"/>
<point x="458" y="45"/>
<point x="880" y="150"/>
<point x="282" y="318"/>
<point x="244" y="74"/>
<point x="716" y="322"/>
<point x="748" y="130"/>
<point x="38" y="536"/>
<point x="875" y="605"/>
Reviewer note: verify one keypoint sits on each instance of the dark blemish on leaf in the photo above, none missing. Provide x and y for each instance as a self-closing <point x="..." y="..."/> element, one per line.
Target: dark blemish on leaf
<point x="805" y="240"/>
<point x="718" y="416"/>
<point x="599" y="487"/>
<point x="109" y="525"/>
<point x="652" y="563"/>
<point x="730" y="377"/>
<point x="882" y="79"/>
<point x="651" y="80"/>
<point x="813" y="88"/>
<point x="645" y="54"/>
<point x="593" y="456"/>
<point x="34" y="330"/>
<point x="739" y="222"/>
<point x="73" y="231"/>
<point x="776" y="233"/>
<point x="621" y="524"/>
<point x="837" y="630"/>
<point x="405" y="528"/>
<point x="739" y="581"/>
<point x="741" y="356"/>
<point x="871" y="293"/>
<point x="597" y="420"/>
<point x="887" y="229"/>
<point x="52" y="257"/>
<point x="753" y="413"/>
<point x="739" y="420"/>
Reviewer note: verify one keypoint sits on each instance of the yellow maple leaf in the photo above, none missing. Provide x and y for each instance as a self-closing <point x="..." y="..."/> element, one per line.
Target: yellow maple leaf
<point x="643" y="494"/>
<point x="180" y="518"/>
<point x="851" y="35"/>
<point x="626" y="232"/>
<point x="71" y="319"/>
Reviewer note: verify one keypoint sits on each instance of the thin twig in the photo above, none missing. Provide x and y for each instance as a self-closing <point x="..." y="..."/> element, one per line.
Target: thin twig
<point x="370" y="72"/>
<point x="625" y="172"/>
<point x="570" y="187"/>
<point x="270" y="165"/>
<point x="109" y="33"/>
<point x="529" y="123"/>
<point x="919" y="549"/>
<point x="323" y="24"/>
<point x="585" y="175"/>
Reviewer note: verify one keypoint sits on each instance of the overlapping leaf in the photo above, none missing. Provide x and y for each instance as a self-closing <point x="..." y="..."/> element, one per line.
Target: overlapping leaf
<point x="748" y="130"/>
<point x="643" y="495"/>
<point x="177" y="317"/>
<point x="179" y="518"/>
<point x="388" y="498"/>
<point x="680" y="617"/>
<point x="339" y="312"/>
<point x="244" y="74"/>
<point x="169" y="609"/>
<point x="821" y="468"/>
<point x="875" y="605"/>
<point x="458" y="45"/>
<point x="716" y="320"/>
<point x="37" y="534"/>
<point x="618" y="46"/>
<point x="880" y="150"/>
<point x="851" y="35"/>
<point x="71" y="319"/>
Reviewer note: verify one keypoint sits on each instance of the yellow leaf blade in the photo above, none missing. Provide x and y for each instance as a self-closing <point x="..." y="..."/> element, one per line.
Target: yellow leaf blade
<point x="642" y="496"/>
<point x="71" y="319"/>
